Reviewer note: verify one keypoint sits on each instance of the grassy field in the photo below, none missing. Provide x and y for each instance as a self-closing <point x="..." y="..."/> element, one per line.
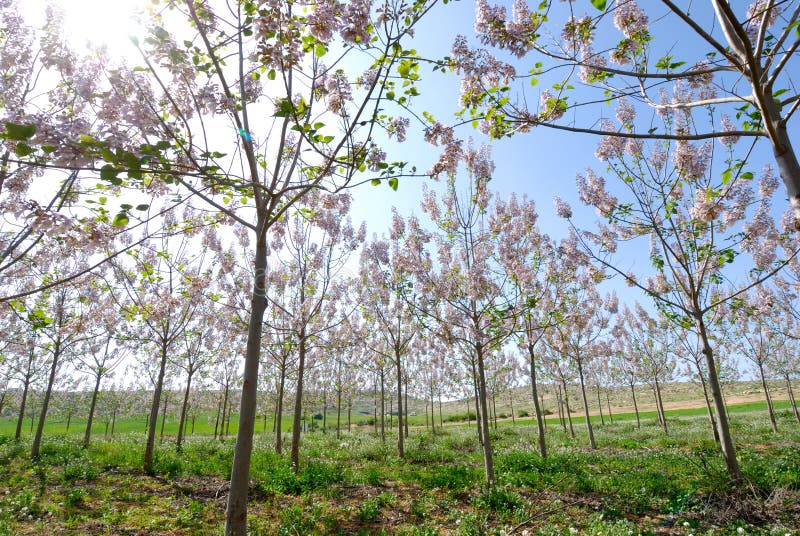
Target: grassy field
<point x="639" y="481"/>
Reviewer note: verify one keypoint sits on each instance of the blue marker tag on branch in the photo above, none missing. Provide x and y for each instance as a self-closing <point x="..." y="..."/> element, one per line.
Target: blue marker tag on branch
<point x="245" y="135"/>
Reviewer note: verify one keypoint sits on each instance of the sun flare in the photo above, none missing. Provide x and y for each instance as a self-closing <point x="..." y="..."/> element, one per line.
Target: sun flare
<point x="97" y="23"/>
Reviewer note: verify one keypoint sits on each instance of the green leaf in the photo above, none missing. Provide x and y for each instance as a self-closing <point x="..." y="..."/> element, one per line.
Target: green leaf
<point x="23" y="149"/>
<point x="403" y="69"/>
<point x="142" y="207"/>
<point x="375" y="182"/>
<point x="17" y="132"/>
<point x="393" y="183"/>
<point x="121" y="220"/>
<point x="271" y="74"/>
<point x="747" y="175"/>
<point x="599" y="4"/>
<point x="107" y="172"/>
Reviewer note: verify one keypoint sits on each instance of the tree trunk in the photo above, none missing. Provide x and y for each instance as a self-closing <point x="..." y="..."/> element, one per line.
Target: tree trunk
<point x="113" y="421"/>
<point x="405" y="407"/>
<point x="338" y="410"/>
<point x="478" y="417"/>
<point x="164" y="416"/>
<point x="224" y="414"/>
<point x="87" y="436"/>
<point x="488" y="461"/>
<point x="792" y="400"/>
<point x="399" y="371"/>
<point x="541" y="402"/>
<point x="279" y="414"/>
<point x="600" y="406"/>
<point x="768" y="398"/>
<point x="494" y="409"/>
<point x="349" y="412"/>
<point x="592" y="442"/>
<point x="511" y="402"/>
<point x="608" y="402"/>
<point x="236" y="512"/>
<point x="184" y="407"/>
<point x="298" y="400"/>
<point x="216" y="421"/>
<point x="561" y="409"/>
<point x="383" y="409"/>
<point x="37" y="440"/>
<point x="375" y="406"/>
<point x="567" y="410"/>
<point x="151" y="428"/>
<point x="25" y="387"/>
<point x="660" y="405"/>
<point x="441" y="419"/>
<point x="536" y="407"/>
<point x="726" y="441"/>
<point x="635" y="406"/>
<point x="229" y="416"/>
<point x="709" y="410"/>
<point x="433" y="421"/>
<point x="324" y="410"/>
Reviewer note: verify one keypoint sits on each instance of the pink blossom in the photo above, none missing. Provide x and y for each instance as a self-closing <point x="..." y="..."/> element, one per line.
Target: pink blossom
<point x="578" y="34"/>
<point x="562" y="208"/>
<point x="355" y="21"/>
<point x="479" y="162"/>
<point x="592" y="67"/>
<point x="367" y="78"/>
<point x="592" y="191"/>
<point x="626" y="113"/>
<point x="755" y="14"/>
<point x="514" y="34"/>
<point x="768" y="182"/>
<point x="624" y="52"/>
<point x="658" y="158"/>
<point x="324" y="20"/>
<point x="375" y="158"/>
<point x="398" y="228"/>
<point x="338" y="92"/>
<point x="691" y="161"/>
<point x="448" y="160"/>
<point x="630" y="19"/>
<point x="398" y="128"/>
<point x="707" y="205"/>
<point x="609" y="146"/>
<point x="657" y="284"/>
<point x="480" y="71"/>
<point x="550" y="108"/>
<point x="727" y="126"/>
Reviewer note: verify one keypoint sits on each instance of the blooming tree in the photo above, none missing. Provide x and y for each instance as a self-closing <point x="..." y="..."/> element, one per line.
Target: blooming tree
<point x="471" y="308"/>
<point x="760" y="333"/>
<point x="389" y="304"/>
<point x="737" y="65"/>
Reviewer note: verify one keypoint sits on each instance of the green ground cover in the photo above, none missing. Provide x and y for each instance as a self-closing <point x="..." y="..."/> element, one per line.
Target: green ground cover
<point x="639" y="481"/>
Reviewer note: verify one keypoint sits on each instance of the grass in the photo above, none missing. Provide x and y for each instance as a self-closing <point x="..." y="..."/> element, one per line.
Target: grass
<point x="639" y="481"/>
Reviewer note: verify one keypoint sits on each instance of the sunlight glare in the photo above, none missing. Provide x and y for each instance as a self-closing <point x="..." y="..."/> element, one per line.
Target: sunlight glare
<point x="100" y="23"/>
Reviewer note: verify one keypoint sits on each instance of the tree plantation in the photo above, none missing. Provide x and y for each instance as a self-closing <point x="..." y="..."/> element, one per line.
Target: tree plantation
<point x="312" y="267"/>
